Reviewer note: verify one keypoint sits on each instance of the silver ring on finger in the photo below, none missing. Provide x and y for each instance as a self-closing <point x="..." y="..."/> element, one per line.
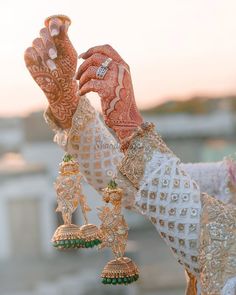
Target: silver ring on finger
<point x="106" y="63"/>
<point x="102" y="70"/>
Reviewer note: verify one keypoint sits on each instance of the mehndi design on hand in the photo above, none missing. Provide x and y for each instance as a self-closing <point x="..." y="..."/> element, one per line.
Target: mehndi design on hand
<point x="52" y="62"/>
<point x="115" y="89"/>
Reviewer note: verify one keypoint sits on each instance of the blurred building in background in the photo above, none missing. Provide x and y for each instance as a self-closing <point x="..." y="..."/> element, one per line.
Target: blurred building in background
<point x="28" y="166"/>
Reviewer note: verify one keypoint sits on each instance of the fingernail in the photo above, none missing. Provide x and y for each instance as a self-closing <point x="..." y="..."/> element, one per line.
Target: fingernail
<point x="52" y="66"/>
<point x="54" y="32"/>
<point x="67" y="24"/>
<point x="52" y="53"/>
<point x="81" y="55"/>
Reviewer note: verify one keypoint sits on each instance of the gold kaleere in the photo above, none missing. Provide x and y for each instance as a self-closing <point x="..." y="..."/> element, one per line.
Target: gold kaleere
<point x="90" y="234"/>
<point x="121" y="270"/>
<point x="69" y="197"/>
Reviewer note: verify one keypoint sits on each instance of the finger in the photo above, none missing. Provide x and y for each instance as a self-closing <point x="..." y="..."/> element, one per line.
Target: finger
<point x="107" y="50"/>
<point x="95" y="86"/>
<point x="38" y="45"/>
<point x="41" y="50"/>
<point x="54" y="26"/>
<point x="58" y="27"/>
<point x="89" y="74"/>
<point x="48" y="43"/>
<point x="95" y="60"/>
<point x="31" y="57"/>
<point x="103" y="49"/>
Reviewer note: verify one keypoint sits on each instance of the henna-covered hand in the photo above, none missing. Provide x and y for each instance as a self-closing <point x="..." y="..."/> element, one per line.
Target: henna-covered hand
<point x="52" y="62"/>
<point x="115" y="89"/>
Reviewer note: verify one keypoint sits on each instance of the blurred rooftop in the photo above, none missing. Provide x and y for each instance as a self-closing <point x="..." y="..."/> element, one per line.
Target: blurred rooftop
<point x="12" y="164"/>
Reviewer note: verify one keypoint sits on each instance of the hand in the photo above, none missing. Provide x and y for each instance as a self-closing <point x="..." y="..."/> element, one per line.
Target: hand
<point x="52" y="62"/>
<point x="115" y="89"/>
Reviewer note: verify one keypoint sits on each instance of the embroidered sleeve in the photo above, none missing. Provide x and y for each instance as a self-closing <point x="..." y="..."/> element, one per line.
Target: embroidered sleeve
<point x="166" y="194"/>
<point x="95" y="148"/>
<point x="217" y="179"/>
<point x="217" y="257"/>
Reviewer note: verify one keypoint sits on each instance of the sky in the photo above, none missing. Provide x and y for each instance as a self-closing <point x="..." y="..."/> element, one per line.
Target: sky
<point x="175" y="48"/>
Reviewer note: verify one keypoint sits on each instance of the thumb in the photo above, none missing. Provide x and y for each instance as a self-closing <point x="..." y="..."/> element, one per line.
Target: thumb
<point x="57" y="25"/>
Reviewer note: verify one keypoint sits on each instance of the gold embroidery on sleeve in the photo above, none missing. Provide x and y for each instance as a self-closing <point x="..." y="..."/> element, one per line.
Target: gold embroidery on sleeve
<point x="217" y="253"/>
<point x="140" y="149"/>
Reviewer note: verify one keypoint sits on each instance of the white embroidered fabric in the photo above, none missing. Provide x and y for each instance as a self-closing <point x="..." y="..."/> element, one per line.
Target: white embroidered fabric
<point x="171" y="200"/>
<point x="229" y="287"/>
<point x="98" y="153"/>
<point x="212" y="178"/>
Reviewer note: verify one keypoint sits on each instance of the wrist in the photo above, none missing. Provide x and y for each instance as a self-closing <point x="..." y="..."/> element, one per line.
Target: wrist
<point x="65" y="106"/>
<point x="138" y="150"/>
<point x="125" y="128"/>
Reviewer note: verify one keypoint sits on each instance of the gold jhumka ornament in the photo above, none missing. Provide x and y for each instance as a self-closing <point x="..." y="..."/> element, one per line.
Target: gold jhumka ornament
<point x="121" y="270"/>
<point x="69" y="197"/>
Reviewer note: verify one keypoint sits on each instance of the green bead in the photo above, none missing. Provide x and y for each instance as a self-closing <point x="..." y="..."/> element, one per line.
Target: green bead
<point x="120" y="281"/>
<point x="104" y="281"/>
<point x="82" y="242"/>
<point x="92" y="244"/>
<point x="55" y="244"/>
<point x="125" y="280"/>
<point x="72" y="242"/>
<point x="108" y="281"/>
<point x="87" y="244"/>
<point x="129" y="280"/>
<point x="67" y="242"/>
<point x="67" y="158"/>
<point x="61" y="243"/>
<point x="114" y="281"/>
<point x="112" y="184"/>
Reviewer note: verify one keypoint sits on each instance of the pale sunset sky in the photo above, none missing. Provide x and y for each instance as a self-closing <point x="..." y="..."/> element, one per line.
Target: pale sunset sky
<point x="175" y="48"/>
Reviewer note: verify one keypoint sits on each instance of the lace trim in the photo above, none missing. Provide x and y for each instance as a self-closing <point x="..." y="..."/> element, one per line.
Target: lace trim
<point x="61" y="135"/>
<point x="84" y="113"/>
